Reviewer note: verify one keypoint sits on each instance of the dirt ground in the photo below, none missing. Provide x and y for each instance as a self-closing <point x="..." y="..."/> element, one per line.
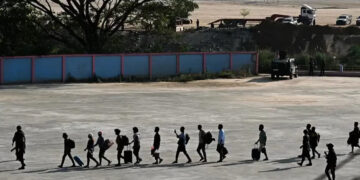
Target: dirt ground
<point x="327" y="12"/>
<point x="284" y="107"/>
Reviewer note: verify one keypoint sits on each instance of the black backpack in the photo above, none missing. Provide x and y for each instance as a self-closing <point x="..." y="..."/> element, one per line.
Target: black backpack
<point x="125" y="140"/>
<point x="71" y="144"/>
<point x="187" y="139"/>
<point x="107" y="144"/>
<point x="208" y="138"/>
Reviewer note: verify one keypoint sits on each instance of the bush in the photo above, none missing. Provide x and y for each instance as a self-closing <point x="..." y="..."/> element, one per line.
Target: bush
<point x="265" y="58"/>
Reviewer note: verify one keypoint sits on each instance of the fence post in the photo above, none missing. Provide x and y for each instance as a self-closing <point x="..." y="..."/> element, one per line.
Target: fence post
<point x="204" y="62"/>
<point x="1" y="71"/>
<point x="150" y="66"/>
<point x="93" y="66"/>
<point x="63" y="69"/>
<point x="231" y="61"/>
<point x="177" y="63"/>
<point x="32" y="69"/>
<point x="122" y="66"/>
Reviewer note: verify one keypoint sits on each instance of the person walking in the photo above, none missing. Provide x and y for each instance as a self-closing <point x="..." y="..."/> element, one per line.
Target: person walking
<point x="221" y="143"/>
<point x="314" y="141"/>
<point x="136" y="147"/>
<point x="90" y="149"/>
<point x="101" y="143"/>
<point x="322" y="67"/>
<point x="262" y="139"/>
<point x="156" y="146"/>
<point x="197" y="24"/>
<point x="120" y="146"/>
<point x="354" y="137"/>
<point x="68" y="145"/>
<point x="305" y="149"/>
<point x="331" y="161"/>
<point x="183" y="139"/>
<point x="201" y="146"/>
<point x="20" y="145"/>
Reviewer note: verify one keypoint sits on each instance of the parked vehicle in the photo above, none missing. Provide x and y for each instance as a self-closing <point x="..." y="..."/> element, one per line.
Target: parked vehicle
<point x="185" y="20"/>
<point x="358" y="21"/>
<point x="307" y="15"/>
<point x="289" y="20"/>
<point x="283" y="66"/>
<point x="344" y="19"/>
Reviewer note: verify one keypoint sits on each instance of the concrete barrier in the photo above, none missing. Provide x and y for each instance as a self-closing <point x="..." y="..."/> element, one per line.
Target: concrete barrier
<point x="62" y="68"/>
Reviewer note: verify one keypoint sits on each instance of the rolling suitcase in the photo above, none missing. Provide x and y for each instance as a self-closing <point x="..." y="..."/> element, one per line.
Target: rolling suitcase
<point x="255" y="153"/>
<point x="128" y="156"/>
<point x="78" y="161"/>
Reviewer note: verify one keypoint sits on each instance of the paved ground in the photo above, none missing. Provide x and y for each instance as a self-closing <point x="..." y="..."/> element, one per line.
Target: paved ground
<point x="284" y="107"/>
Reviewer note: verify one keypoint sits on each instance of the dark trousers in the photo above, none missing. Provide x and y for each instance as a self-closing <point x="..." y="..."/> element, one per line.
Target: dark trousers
<point x="201" y="147"/>
<point x="91" y="156"/>
<point x="119" y="156"/>
<point x="102" y="156"/>
<point x="305" y="154"/>
<point x="330" y="167"/>
<point x="182" y="148"/>
<point x="20" y="156"/>
<point x="67" y="153"/>
<point x="136" y="153"/>
<point x="220" y="150"/>
<point x="313" y="149"/>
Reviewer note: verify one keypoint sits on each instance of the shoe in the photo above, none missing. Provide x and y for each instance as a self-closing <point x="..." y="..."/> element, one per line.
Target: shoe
<point x="73" y="165"/>
<point x="117" y="165"/>
<point x="204" y="160"/>
<point x="97" y="165"/>
<point x="201" y="159"/>
<point x="160" y="161"/>
<point x="60" y="166"/>
<point x="309" y="164"/>
<point x="140" y="160"/>
<point x="299" y="164"/>
<point x="219" y="161"/>
<point x="109" y="163"/>
<point x="189" y="161"/>
<point x="22" y="167"/>
<point x="224" y="157"/>
<point x="266" y="159"/>
<point x="175" y="162"/>
<point x="313" y="157"/>
<point x="86" y="166"/>
<point x="319" y="155"/>
<point x="156" y="162"/>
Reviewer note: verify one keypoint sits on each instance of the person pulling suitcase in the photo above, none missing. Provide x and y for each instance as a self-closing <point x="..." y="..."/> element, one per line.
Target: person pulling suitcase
<point x="262" y="139"/>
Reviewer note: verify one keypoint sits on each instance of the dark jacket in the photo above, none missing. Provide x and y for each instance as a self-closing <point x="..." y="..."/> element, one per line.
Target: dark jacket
<point x="331" y="158"/>
<point x="90" y="146"/>
<point x="306" y="144"/>
<point x="19" y="139"/>
<point x="67" y="146"/>
<point x="157" y="141"/>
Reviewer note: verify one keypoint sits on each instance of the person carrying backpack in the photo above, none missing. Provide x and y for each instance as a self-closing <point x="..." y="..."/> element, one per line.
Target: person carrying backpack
<point x="20" y="145"/>
<point x="102" y="148"/>
<point x="354" y="137"/>
<point x="305" y="149"/>
<point x="156" y="146"/>
<point x="331" y="161"/>
<point x="136" y="147"/>
<point x="201" y="145"/>
<point x="262" y="139"/>
<point x="90" y="150"/>
<point x="183" y="140"/>
<point x="68" y="145"/>
<point x="314" y="141"/>
<point x="120" y="146"/>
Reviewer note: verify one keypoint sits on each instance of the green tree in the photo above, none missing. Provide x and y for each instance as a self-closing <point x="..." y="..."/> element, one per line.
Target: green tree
<point x="91" y="23"/>
<point x="353" y="57"/>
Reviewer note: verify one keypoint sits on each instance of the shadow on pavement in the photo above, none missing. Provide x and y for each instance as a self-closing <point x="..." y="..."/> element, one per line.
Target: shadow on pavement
<point x="280" y="169"/>
<point x="267" y="79"/>
<point x="237" y="163"/>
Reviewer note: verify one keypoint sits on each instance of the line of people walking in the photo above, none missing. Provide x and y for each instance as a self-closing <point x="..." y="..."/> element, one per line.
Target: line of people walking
<point x="310" y="142"/>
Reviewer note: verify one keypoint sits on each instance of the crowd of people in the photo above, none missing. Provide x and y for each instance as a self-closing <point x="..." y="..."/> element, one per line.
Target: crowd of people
<point x="310" y="142"/>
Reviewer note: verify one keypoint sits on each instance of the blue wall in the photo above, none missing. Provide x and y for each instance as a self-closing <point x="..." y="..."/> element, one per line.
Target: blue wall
<point x="108" y="66"/>
<point x="191" y="64"/>
<point x="136" y="66"/>
<point x="49" y="69"/>
<point x="17" y="70"/>
<point x="216" y="63"/>
<point x="79" y="68"/>
<point x="163" y="66"/>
